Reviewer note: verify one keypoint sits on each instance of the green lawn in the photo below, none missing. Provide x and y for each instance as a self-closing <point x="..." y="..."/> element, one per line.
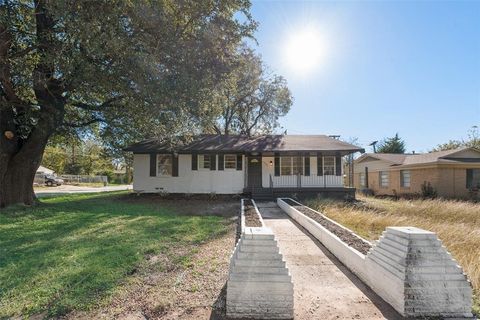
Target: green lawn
<point x="71" y="252"/>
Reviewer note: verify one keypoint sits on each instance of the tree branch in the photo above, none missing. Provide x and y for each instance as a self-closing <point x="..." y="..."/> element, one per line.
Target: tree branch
<point x="98" y="107"/>
<point x="7" y="87"/>
<point x="83" y="124"/>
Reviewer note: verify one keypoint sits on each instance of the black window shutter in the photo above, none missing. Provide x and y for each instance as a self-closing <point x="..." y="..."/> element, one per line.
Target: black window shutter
<point x="239" y="162"/>
<point x="469" y="178"/>
<point x="153" y="164"/>
<point x="338" y="165"/>
<point x="307" y="165"/>
<point x="319" y="165"/>
<point x="213" y="162"/>
<point x="277" y="165"/>
<point x="194" y="161"/>
<point x="175" y="165"/>
<point x="221" y="161"/>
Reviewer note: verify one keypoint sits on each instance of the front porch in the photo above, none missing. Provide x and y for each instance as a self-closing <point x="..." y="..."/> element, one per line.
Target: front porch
<point x="306" y="174"/>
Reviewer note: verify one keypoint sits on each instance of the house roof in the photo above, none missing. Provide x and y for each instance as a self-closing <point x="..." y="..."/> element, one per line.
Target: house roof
<point x="420" y="159"/>
<point x="241" y="143"/>
<point x="394" y="158"/>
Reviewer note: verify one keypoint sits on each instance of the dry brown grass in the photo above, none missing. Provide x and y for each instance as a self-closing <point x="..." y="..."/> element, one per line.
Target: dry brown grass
<point x="457" y="224"/>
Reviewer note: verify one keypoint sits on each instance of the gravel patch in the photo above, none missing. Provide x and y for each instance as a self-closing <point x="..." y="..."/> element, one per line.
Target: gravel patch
<point x="346" y="236"/>
<point x="251" y="216"/>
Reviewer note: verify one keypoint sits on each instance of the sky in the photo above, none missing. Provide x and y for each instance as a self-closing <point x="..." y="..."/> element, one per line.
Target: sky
<point x="376" y="68"/>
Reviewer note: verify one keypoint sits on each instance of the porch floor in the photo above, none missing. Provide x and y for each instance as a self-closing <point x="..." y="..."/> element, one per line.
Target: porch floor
<point x="301" y="193"/>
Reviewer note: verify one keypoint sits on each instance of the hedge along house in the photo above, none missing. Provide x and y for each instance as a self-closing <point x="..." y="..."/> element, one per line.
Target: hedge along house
<point x="452" y="173"/>
<point x="263" y="166"/>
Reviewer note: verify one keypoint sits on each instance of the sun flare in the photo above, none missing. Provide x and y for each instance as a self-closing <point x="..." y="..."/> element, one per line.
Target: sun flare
<point x="304" y="50"/>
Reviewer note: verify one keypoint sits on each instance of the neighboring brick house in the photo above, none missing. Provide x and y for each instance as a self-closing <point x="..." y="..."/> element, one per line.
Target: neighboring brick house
<point x="452" y="173"/>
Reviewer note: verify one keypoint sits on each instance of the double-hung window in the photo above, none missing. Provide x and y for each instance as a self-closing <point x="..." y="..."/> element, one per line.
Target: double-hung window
<point x="362" y="179"/>
<point x="473" y="178"/>
<point x="329" y="166"/>
<point x="291" y="166"/>
<point x="204" y="161"/>
<point x="230" y="161"/>
<point x="164" y="165"/>
<point x="383" y="179"/>
<point x="405" y="178"/>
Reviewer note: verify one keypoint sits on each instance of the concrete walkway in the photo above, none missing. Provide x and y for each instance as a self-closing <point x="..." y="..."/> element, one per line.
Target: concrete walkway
<point x="323" y="287"/>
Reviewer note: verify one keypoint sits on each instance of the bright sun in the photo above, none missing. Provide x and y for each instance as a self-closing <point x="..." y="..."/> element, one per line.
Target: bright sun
<point x="304" y="51"/>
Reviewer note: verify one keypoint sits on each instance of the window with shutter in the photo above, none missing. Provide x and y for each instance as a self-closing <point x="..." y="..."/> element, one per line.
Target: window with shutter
<point x="329" y="166"/>
<point x="204" y="161"/>
<point x="164" y="165"/>
<point x="230" y="161"/>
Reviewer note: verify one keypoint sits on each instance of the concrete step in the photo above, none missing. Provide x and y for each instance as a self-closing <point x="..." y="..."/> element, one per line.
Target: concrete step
<point x="258" y="236"/>
<point x="258" y="256"/>
<point x="259" y="270"/>
<point x="260" y="263"/>
<point x="251" y="242"/>
<point x="235" y="287"/>
<point x="266" y="249"/>
<point x="270" y="278"/>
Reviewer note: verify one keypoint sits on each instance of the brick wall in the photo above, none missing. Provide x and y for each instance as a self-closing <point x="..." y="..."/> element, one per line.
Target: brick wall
<point x="448" y="182"/>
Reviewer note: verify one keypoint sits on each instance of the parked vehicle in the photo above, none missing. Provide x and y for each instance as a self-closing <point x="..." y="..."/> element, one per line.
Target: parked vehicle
<point x="52" y="180"/>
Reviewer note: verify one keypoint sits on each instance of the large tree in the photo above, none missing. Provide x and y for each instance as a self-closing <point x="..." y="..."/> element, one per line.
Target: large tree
<point x="250" y="99"/>
<point x="129" y="65"/>
<point x="472" y="141"/>
<point x="394" y="144"/>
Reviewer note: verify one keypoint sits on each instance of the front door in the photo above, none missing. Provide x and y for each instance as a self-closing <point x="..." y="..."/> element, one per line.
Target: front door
<point x="254" y="171"/>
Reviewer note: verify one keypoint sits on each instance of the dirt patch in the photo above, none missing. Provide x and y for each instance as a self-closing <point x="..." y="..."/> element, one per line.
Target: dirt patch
<point x="251" y="216"/>
<point x="185" y="205"/>
<point x="165" y="288"/>
<point x="346" y="236"/>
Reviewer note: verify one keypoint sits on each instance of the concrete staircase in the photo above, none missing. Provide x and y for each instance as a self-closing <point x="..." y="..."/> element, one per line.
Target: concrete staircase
<point x="259" y="284"/>
<point x="423" y="278"/>
<point x="262" y="194"/>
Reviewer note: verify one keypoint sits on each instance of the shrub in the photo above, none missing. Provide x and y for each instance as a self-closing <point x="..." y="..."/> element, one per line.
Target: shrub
<point x="428" y="192"/>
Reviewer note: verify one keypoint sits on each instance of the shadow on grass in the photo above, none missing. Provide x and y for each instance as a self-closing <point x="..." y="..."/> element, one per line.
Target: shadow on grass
<point x="72" y="251"/>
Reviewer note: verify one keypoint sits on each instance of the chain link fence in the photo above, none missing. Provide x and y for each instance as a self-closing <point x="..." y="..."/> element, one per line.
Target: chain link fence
<point x="77" y="179"/>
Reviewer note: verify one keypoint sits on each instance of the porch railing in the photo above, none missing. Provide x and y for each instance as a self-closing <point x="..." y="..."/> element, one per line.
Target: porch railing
<point x="299" y="181"/>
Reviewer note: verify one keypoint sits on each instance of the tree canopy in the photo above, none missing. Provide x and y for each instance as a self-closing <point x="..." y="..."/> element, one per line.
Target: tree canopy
<point x="136" y="68"/>
<point x="250" y="99"/>
<point x="472" y="140"/>
<point x="392" y="145"/>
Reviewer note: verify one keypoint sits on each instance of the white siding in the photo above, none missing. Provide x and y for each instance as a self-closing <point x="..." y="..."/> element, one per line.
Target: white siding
<point x="228" y="181"/>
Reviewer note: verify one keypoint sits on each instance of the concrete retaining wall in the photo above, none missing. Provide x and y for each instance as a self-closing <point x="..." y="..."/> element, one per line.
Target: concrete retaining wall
<point x="259" y="285"/>
<point x="408" y="267"/>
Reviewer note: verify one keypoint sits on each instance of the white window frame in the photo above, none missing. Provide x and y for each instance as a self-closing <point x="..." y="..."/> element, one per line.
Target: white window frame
<point x="361" y="179"/>
<point x="380" y="180"/>
<point x="167" y="165"/>
<point x="201" y="162"/>
<point x="234" y="156"/>
<point x="302" y="161"/>
<point x="402" y="178"/>
<point x="334" y="166"/>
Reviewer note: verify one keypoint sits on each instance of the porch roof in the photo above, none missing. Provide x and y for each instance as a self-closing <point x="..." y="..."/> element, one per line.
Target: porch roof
<point x="242" y="144"/>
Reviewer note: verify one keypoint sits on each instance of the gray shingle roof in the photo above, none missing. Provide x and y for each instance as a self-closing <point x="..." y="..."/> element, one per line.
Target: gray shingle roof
<point x="416" y="159"/>
<point x="241" y="143"/>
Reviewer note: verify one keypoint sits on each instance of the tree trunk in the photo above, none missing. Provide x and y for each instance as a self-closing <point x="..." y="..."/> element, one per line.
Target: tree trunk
<point x="16" y="184"/>
<point x="20" y="159"/>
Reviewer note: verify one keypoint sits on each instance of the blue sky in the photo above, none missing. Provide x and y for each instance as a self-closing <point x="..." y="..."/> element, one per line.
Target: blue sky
<point x="386" y="67"/>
